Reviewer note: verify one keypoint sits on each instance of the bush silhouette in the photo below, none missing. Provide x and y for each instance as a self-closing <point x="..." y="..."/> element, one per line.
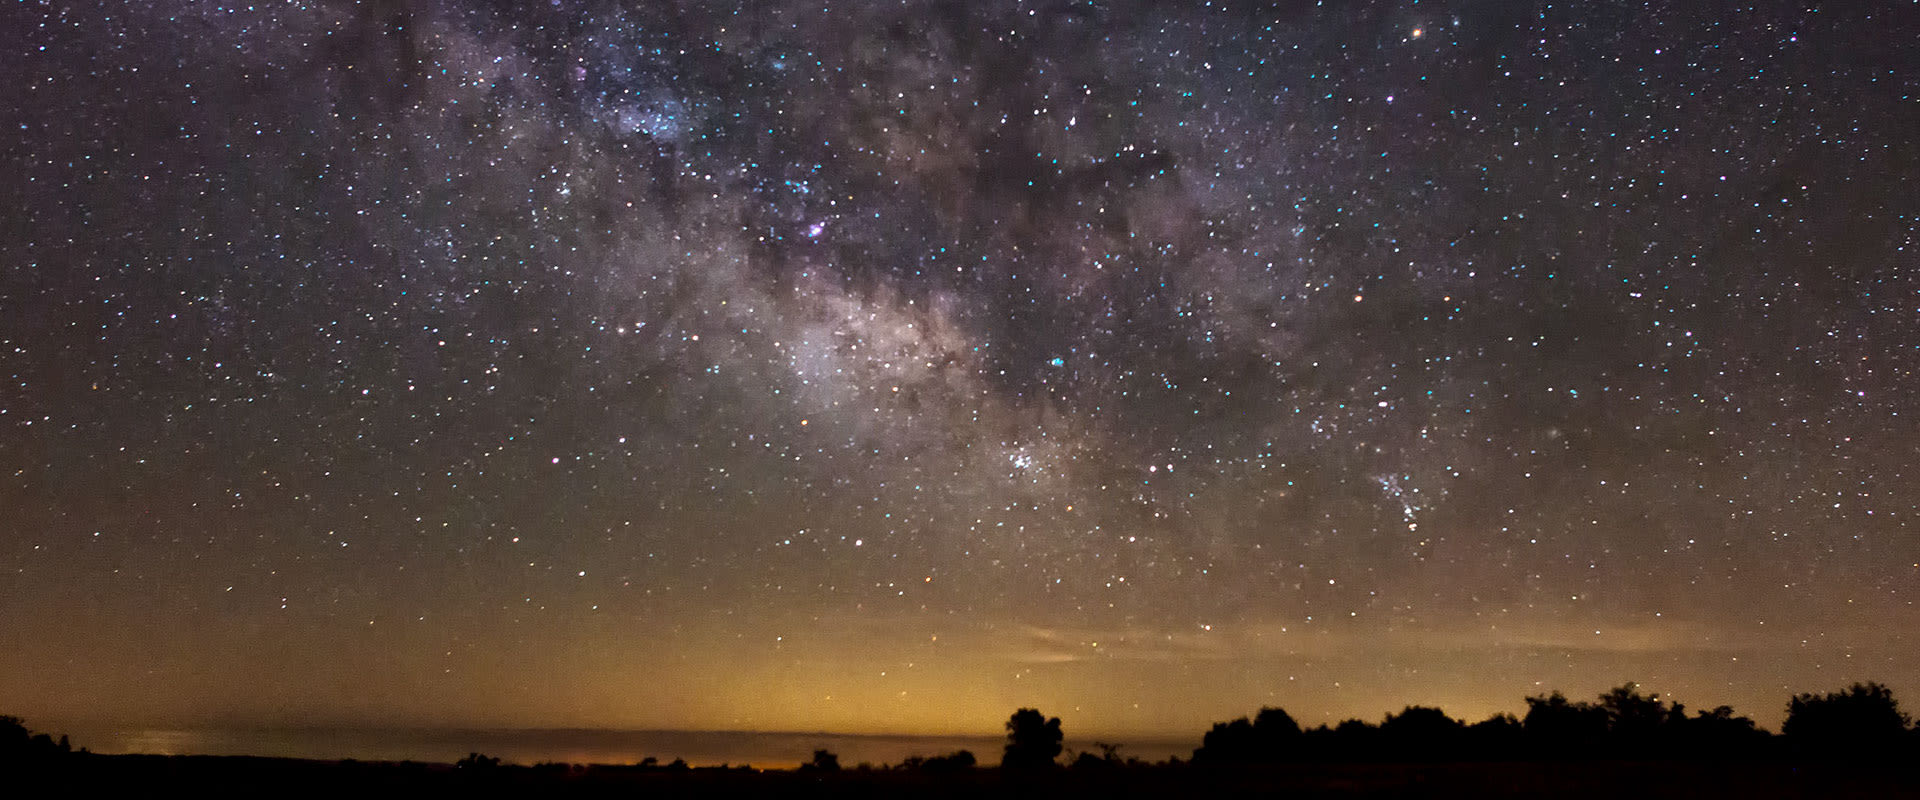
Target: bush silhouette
<point x="957" y="761"/>
<point x="1109" y="758"/>
<point x="1033" y="740"/>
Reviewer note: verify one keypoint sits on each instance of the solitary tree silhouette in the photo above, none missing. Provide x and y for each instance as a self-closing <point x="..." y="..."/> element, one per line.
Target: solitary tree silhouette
<point x="1033" y="740"/>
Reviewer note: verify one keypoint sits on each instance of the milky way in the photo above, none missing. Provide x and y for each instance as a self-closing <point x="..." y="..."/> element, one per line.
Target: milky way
<point x="888" y="365"/>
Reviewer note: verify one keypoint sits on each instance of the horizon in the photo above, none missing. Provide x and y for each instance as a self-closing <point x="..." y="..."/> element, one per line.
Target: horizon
<point x="761" y="749"/>
<point x="1158" y="736"/>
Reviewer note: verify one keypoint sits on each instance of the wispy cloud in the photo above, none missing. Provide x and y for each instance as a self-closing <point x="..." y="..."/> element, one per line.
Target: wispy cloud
<point x="1035" y="644"/>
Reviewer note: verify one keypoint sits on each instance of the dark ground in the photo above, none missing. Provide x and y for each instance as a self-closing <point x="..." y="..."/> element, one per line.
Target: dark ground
<point x="193" y="776"/>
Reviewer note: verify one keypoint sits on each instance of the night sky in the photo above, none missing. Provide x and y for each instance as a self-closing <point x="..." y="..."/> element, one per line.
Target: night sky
<point x="886" y="366"/>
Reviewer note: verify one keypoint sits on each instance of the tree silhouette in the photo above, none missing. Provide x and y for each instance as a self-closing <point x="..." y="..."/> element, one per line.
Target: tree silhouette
<point x="21" y="746"/>
<point x="1637" y="724"/>
<point x="1557" y="727"/>
<point x="1228" y="743"/>
<point x="1275" y="735"/>
<point x="1033" y="740"/>
<point x="957" y="761"/>
<point x="1421" y="733"/>
<point x="1863" y="719"/>
<point x="1272" y="735"/>
<point x="477" y="763"/>
<point x="1498" y="736"/>
<point x="1087" y="762"/>
<point x="1351" y="740"/>
<point x="1631" y="713"/>
<point x="1715" y="734"/>
<point x="823" y="761"/>
<point x="13" y="734"/>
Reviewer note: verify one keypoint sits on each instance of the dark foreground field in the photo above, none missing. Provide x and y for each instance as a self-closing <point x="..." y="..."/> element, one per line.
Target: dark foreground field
<point x="192" y="776"/>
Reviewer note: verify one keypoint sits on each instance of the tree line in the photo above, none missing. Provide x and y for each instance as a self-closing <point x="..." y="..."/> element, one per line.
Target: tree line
<point x="17" y="742"/>
<point x="1861" y="721"/>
